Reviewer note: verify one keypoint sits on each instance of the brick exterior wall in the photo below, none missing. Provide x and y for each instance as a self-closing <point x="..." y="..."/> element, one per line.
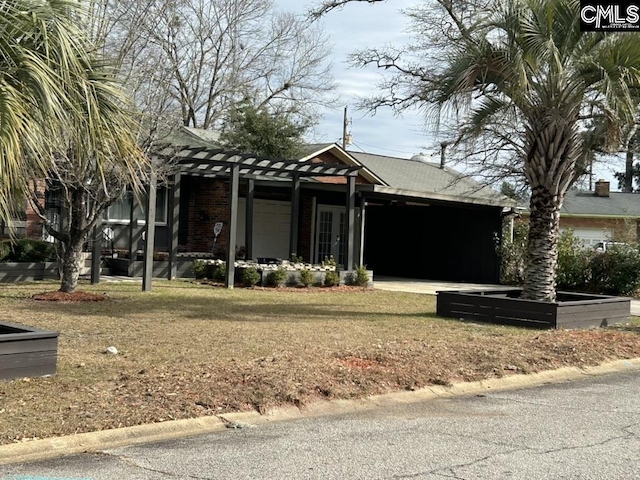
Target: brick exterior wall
<point x="34" y="223"/>
<point x="625" y="230"/>
<point x="208" y="204"/>
<point x="327" y="157"/>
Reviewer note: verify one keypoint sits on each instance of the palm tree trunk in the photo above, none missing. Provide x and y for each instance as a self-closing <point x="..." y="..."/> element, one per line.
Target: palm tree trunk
<point x="540" y="273"/>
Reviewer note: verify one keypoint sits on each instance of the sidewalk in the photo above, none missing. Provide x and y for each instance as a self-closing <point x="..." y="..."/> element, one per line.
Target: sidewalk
<point x="430" y="287"/>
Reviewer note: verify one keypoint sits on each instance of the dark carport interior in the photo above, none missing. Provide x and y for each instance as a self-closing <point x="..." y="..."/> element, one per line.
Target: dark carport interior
<point x="452" y="242"/>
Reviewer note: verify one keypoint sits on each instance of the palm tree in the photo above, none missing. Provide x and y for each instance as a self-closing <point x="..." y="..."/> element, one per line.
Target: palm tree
<point x="60" y="107"/>
<point x="530" y="62"/>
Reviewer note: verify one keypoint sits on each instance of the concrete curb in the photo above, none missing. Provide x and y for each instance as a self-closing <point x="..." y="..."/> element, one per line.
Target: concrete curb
<point x="109" y="439"/>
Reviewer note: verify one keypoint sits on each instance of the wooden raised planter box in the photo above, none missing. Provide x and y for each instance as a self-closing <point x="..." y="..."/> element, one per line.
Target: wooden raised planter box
<point x="28" y="272"/>
<point x="122" y="266"/>
<point x="505" y="307"/>
<point x="27" y="352"/>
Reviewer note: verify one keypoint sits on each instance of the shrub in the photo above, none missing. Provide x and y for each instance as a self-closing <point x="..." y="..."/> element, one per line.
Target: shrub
<point x="573" y="263"/>
<point x="331" y="279"/>
<point x="250" y="276"/>
<point x="199" y="269"/>
<point x="616" y="271"/>
<point x="329" y="261"/>
<point x="296" y="259"/>
<point x="219" y="273"/>
<point x="360" y="277"/>
<point x="5" y="251"/>
<point x="276" y="278"/>
<point x="306" y="277"/>
<point x="513" y="255"/>
<point x="30" y="250"/>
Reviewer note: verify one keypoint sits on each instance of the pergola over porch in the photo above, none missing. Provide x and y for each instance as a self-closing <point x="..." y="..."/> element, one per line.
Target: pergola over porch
<point x="232" y="165"/>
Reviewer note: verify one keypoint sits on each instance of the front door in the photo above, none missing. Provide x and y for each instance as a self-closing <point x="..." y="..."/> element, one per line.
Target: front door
<point x="330" y="234"/>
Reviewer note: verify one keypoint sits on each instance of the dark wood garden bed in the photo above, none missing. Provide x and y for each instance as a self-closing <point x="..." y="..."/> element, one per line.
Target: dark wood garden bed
<point x="28" y="271"/>
<point x="27" y="352"/>
<point x="122" y="266"/>
<point x="570" y="310"/>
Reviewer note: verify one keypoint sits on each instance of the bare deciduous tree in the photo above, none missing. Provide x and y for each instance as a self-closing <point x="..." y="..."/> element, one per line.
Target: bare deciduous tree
<point x="190" y="62"/>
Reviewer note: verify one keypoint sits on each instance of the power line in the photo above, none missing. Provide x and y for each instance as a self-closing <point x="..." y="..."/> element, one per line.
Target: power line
<point x="383" y="148"/>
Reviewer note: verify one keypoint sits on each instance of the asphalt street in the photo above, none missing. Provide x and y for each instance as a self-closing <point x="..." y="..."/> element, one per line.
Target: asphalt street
<point x="588" y="429"/>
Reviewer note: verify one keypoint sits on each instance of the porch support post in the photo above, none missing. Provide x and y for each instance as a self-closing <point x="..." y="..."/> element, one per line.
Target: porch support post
<point x="96" y="252"/>
<point x="349" y="227"/>
<point x="150" y="230"/>
<point x="295" y="214"/>
<point x="174" y="225"/>
<point x="233" y="224"/>
<point x="133" y="225"/>
<point x="248" y="226"/>
<point x="363" y="216"/>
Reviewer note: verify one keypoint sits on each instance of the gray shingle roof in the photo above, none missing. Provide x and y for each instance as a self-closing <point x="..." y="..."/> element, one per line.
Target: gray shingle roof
<point x="193" y="137"/>
<point x="617" y="204"/>
<point x="420" y="176"/>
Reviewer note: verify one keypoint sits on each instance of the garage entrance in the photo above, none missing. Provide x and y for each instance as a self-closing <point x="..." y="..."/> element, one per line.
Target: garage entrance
<point x="436" y="242"/>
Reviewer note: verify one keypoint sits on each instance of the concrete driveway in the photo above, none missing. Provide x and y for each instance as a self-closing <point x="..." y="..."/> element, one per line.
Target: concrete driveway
<point x="430" y="287"/>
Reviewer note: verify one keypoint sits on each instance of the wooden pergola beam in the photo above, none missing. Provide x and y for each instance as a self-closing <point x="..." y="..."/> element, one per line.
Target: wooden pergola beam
<point x="295" y="215"/>
<point x="174" y="225"/>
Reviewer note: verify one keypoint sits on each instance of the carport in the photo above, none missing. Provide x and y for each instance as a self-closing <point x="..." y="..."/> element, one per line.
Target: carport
<point x="417" y="235"/>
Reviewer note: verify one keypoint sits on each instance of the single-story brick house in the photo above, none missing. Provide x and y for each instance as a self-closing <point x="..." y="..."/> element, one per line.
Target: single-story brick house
<point x="410" y="218"/>
<point x="600" y="215"/>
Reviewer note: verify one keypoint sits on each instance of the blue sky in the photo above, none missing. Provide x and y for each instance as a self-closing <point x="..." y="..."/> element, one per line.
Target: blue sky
<point x="361" y="25"/>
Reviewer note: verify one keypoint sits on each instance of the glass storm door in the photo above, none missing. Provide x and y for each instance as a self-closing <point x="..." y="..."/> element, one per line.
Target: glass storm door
<point x="330" y="235"/>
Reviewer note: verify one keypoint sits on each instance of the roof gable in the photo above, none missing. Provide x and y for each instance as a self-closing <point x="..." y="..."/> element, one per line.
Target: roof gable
<point x="333" y="153"/>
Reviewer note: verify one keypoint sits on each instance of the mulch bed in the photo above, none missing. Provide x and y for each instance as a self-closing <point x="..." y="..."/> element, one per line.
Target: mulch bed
<point x="77" y="296"/>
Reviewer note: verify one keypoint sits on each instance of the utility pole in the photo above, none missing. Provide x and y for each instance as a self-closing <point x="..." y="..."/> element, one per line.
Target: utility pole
<point x="345" y="124"/>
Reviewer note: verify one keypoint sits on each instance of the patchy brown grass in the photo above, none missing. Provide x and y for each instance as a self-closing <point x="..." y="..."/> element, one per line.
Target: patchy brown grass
<point x="188" y="350"/>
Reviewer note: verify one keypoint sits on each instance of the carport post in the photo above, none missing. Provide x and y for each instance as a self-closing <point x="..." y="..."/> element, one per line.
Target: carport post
<point x="363" y="213"/>
<point x="133" y="224"/>
<point x="150" y="231"/>
<point x="349" y="227"/>
<point x="248" y="226"/>
<point x="295" y="213"/>
<point x="174" y="225"/>
<point x="233" y="224"/>
<point x="96" y="251"/>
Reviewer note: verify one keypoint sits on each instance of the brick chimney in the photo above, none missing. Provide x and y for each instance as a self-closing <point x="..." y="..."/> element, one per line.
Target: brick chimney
<point x="602" y="188"/>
